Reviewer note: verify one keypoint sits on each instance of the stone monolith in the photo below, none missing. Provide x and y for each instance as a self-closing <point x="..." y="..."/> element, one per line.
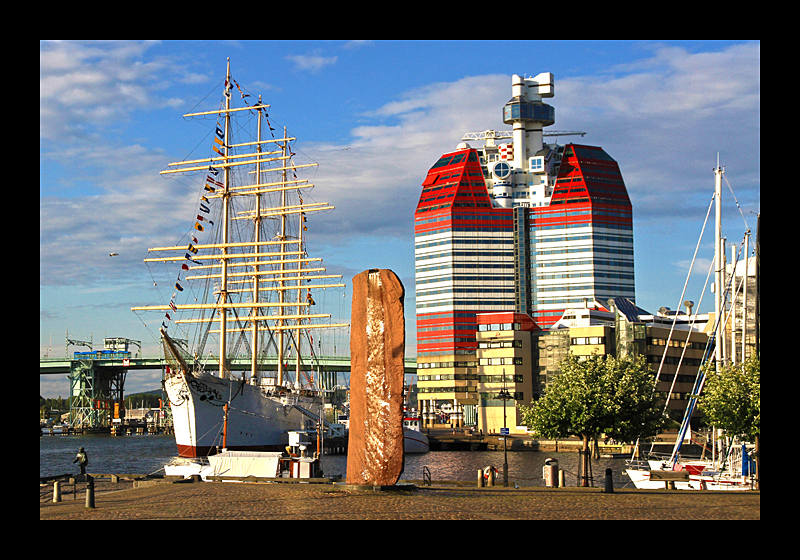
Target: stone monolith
<point x="377" y="347"/>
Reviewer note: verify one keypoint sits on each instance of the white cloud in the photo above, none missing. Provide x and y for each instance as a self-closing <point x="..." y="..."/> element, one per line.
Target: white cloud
<point x="100" y="195"/>
<point x="700" y="269"/>
<point x="357" y="44"/>
<point x="96" y="83"/>
<point x="311" y="62"/>
<point x="130" y="205"/>
<point x="662" y="118"/>
<point x="375" y="178"/>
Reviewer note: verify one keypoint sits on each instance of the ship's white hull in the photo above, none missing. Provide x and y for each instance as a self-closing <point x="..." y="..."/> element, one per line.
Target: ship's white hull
<point x="415" y="442"/>
<point x="256" y="421"/>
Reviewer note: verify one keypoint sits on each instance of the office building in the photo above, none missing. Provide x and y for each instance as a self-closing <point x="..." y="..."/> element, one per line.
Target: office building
<point x="516" y="225"/>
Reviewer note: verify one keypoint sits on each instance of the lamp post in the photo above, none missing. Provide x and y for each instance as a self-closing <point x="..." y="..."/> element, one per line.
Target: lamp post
<point x="505" y="395"/>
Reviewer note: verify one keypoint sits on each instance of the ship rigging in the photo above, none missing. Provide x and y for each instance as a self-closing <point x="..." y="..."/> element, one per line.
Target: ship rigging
<point x="246" y="265"/>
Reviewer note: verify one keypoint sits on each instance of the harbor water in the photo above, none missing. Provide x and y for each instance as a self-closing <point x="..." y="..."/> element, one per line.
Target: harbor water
<point x="147" y="454"/>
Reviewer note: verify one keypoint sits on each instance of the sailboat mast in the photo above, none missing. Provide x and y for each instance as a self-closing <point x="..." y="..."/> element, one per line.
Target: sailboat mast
<point x="718" y="260"/>
<point x="223" y="292"/>
<point x="744" y="293"/>
<point x="732" y="292"/>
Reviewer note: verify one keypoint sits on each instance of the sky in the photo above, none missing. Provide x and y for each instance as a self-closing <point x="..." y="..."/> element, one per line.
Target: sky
<point x="375" y="115"/>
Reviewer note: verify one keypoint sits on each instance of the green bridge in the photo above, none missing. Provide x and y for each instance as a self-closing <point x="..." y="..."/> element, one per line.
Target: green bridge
<point x="99" y="383"/>
<point x="327" y="363"/>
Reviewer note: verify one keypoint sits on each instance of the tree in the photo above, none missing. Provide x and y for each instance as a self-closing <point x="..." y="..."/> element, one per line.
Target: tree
<point x="150" y="400"/>
<point x="601" y="394"/>
<point x="731" y="400"/>
<point x="51" y="406"/>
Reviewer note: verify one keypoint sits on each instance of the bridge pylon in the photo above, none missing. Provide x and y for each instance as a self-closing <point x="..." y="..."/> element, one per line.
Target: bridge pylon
<point x="95" y="389"/>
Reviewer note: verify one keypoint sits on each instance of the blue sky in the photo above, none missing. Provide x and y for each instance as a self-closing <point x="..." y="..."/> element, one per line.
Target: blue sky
<point x="375" y="115"/>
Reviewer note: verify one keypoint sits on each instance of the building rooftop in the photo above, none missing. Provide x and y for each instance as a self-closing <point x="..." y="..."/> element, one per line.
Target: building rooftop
<point x="588" y="315"/>
<point x="507" y="318"/>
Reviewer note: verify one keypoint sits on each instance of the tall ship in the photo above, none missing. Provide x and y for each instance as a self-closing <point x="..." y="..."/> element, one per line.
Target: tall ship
<point x="239" y="327"/>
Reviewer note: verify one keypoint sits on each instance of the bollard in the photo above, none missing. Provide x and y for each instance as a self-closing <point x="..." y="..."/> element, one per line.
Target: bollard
<point x="89" y="492"/>
<point x="480" y="478"/>
<point x="550" y="472"/>
<point x="57" y="491"/>
<point x="609" y="489"/>
<point x="561" y="482"/>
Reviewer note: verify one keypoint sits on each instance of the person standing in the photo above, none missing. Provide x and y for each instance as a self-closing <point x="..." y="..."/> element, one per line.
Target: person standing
<point x="82" y="459"/>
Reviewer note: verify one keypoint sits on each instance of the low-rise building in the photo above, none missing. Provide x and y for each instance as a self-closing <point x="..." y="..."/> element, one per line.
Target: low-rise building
<point x="517" y="359"/>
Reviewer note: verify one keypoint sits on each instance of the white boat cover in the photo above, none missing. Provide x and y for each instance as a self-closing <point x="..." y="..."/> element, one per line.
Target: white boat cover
<point x="245" y="463"/>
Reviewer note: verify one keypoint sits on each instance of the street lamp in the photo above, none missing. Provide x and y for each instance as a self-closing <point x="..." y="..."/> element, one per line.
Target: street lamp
<point x="505" y="395"/>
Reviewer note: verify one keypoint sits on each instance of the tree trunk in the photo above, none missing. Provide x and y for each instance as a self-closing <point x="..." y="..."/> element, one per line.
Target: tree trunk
<point x="585" y="460"/>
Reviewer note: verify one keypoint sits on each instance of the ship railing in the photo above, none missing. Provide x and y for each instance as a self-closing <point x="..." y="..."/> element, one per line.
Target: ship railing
<point x="637" y="464"/>
<point x="643" y="463"/>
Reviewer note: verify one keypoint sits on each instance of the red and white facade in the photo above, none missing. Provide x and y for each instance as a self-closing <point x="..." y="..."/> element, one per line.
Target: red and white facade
<point x="517" y="225"/>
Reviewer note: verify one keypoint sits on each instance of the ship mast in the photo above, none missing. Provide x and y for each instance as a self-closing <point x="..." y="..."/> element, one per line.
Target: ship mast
<point x="300" y="227"/>
<point x="229" y="265"/>
<point x="256" y="268"/>
<point x="282" y="238"/>
<point x="223" y="291"/>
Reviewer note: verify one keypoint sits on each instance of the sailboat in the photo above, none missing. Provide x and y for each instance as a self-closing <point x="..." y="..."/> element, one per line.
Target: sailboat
<point x="246" y="280"/>
<point x="734" y="472"/>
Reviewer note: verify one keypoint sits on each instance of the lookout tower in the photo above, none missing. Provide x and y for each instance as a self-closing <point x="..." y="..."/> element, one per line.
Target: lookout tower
<point x="528" y="114"/>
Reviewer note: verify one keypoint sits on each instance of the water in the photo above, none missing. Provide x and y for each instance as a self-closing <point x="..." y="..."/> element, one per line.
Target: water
<point x="143" y="454"/>
<point x="524" y="467"/>
<point x="147" y="454"/>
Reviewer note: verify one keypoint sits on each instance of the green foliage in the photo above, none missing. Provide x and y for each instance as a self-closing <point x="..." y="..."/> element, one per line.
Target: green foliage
<point x="601" y="394"/>
<point x="148" y="400"/>
<point x="731" y="399"/>
<point x="49" y="407"/>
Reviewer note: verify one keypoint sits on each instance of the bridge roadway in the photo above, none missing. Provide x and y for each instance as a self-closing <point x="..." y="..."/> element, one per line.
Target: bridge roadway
<point x="49" y="366"/>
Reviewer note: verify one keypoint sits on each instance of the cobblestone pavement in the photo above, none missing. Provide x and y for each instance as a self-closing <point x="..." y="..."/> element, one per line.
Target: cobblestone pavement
<point x="312" y="501"/>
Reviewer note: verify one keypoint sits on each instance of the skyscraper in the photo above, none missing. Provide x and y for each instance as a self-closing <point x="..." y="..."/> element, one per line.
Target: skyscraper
<point x="514" y="225"/>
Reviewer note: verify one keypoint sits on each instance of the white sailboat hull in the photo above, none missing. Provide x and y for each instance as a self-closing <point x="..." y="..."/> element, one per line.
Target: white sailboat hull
<point x="701" y="481"/>
<point x="256" y="421"/>
<point x="641" y="479"/>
